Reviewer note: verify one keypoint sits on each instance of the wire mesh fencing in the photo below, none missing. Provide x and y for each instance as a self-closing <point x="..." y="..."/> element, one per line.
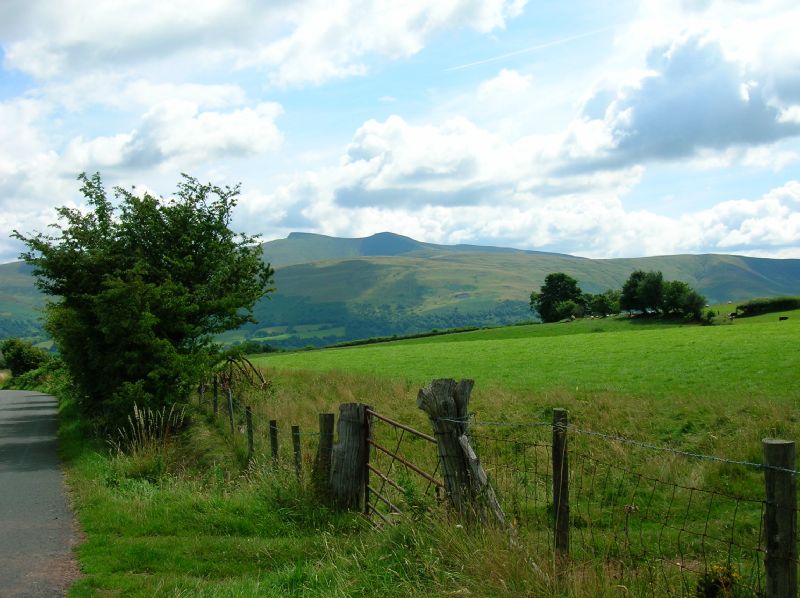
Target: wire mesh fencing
<point x="655" y="518"/>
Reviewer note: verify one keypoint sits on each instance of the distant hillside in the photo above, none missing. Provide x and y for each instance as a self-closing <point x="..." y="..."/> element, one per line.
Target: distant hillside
<point x="304" y="248"/>
<point x="339" y="289"/>
<point x="332" y="289"/>
<point x="20" y="302"/>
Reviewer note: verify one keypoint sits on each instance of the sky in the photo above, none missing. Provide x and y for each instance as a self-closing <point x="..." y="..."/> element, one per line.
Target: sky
<point x="600" y="129"/>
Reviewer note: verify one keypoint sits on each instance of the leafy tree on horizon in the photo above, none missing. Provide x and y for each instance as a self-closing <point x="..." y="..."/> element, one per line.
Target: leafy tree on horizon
<point x="558" y="295"/>
<point x="604" y="304"/>
<point x="649" y="292"/>
<point x="140" y="288"/>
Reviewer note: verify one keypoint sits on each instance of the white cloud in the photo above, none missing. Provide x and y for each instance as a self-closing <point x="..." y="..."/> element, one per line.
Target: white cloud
<point x="692" y="99"/>
<point x="178" y="132"/>
<point x="507" y="81"/>
<point x="457" y="182"/>
<point x="308" y="41"/>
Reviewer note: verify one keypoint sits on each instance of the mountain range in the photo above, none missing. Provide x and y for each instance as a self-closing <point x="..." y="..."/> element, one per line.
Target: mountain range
<point x="336" y="289"/>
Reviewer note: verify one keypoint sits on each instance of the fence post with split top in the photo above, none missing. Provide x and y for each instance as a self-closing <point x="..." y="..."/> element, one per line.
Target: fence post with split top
<point x="446" y="402"/>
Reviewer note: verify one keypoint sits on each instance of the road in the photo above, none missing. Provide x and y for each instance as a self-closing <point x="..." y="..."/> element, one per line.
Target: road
<point x="36" y="525"/>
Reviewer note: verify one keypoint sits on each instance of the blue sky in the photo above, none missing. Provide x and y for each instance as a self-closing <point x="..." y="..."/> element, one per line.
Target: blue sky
<point x="597" y="129"/>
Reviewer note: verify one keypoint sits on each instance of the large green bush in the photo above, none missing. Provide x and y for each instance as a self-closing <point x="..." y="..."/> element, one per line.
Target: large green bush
<point x="21" y="356"/>
<point x="140" y="289"/>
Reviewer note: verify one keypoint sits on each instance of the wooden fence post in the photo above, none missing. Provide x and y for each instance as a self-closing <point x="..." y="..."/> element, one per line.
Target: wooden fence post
<point x="349" y="457"/>
<point x="273" y="439"/>
<point x="322" y="463"/>
<point x="780" y="518"/>
<point x="216" y="396"/>
<point x="248" y="414"/>
<point x="230" y="408"/>
<point x="446" y="402"/>
<point x="560" y="483"/>
<point x="465" y="481"/>
<point x="298" y="456"/>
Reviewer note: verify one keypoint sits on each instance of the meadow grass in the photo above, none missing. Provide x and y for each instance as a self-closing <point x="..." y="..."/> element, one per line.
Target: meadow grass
<point x="208" y="524"/>
<point x="211" y="528"/>
<point x="713" y="390"/>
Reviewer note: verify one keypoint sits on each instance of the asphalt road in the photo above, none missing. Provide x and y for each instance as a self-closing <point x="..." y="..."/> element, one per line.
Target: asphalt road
<point x="36" y="525"/>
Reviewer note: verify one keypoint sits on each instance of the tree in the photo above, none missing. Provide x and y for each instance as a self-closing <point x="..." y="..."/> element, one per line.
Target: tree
<point x="681" y="299"/>
<point x="642" y="291"/>
<point x="650" y="292"/>
<point x="629" y="298"/>
<point x="557" y="288"/>
<point x="142" y="287"/>
<point x="20" y="356"/>
<point x="604" y="304"/>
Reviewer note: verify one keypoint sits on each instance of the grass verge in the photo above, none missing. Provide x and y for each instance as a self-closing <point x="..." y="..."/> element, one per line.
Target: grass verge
<point x="204" y="526"/>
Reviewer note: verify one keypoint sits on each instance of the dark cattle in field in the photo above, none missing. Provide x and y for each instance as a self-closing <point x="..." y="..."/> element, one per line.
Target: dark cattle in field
<point x="782" y="318"/>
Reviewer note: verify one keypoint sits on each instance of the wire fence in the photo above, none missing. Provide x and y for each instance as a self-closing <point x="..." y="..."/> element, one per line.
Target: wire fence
<point x="666" y="521"/>
<point x="680" y="522"/>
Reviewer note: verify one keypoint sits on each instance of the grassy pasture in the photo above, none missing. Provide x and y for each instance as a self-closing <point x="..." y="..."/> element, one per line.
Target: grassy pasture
<point x="715" y="390"/>
<point x="649" y="364"/>
<point x="213" y="529"/>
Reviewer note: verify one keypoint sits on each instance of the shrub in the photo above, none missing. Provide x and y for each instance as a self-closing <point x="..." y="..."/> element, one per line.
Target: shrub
<point x="756" y="307"/>
<point x="21" y="356"/>
<point x="139" y="288"/>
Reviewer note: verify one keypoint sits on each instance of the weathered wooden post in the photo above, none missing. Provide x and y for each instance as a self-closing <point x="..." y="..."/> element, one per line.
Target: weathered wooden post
<point x="560" y="483"/>
<point x="446" y="402"/>
<point x="466" y="483"/>
<point x="298" y="456"/>
<point x="273" y="439"/>
<point x="322" y="463"/>
<point x="248" y="414"/>
<point x="780" y="518"/>
<point x="230" y="408"/>
<point x="216" y="396"/>
<point x="349" y="458"/>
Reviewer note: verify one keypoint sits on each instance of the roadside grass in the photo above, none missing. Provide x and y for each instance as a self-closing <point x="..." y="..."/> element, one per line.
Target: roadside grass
<point x="215" y="529"/>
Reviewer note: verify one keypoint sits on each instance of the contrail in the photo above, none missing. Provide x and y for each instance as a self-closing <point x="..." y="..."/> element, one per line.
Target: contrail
<point x="556" y="42"/>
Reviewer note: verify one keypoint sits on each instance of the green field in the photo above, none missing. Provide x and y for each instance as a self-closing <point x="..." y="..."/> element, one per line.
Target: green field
<point x="716" y="390"/>
<point x="192" y="520"/>
<point x="650" y="360"/>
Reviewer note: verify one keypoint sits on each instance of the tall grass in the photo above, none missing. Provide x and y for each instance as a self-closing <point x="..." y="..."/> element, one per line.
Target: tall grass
<point x="146" y="446"/>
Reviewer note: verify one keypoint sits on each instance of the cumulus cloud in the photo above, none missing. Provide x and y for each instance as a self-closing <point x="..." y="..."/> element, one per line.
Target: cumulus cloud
<point x="177" y="131"/>
<point x="692" y="99"/>
<point x="308" y="41"/>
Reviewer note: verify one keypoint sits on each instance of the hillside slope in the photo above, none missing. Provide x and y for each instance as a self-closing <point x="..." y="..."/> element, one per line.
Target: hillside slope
<point x="332" y="289"/>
